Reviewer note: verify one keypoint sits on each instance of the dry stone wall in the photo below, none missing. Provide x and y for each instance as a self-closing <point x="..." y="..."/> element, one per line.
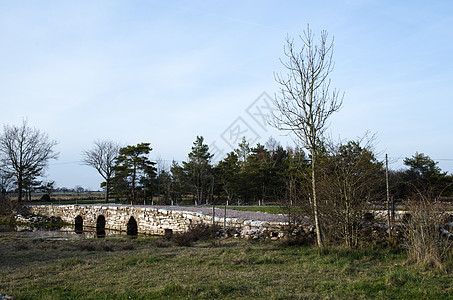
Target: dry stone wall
<point x="154" y="220"/>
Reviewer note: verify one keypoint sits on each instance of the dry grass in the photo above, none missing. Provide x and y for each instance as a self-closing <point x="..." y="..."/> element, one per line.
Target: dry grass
<point x="149" y="268"/>
<point x="425" y="239"/>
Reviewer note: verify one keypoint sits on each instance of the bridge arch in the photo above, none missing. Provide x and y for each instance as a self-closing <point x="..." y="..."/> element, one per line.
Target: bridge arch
<point x="132" y="228"/>
<point x="100" y="222"/>
<point x="100" y="226"/>
<point x="78" y="224"/>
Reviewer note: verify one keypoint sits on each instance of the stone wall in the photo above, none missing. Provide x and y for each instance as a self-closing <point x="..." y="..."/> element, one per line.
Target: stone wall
<point x="152" y="220"/>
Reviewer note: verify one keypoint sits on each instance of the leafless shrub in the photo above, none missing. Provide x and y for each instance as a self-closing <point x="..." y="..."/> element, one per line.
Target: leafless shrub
<point x="87" y="246"/>
<point x="203" y="232"/>
<point x="351" y="178"/>
<point x="197" y="232"/>
<point x="425" y="234"/>
<point x="183" y="239"/>
<point x="8" y="208"/>
<point x="161" y="243"/>
<point x="127" y="246"/>
<point x="107" y="247"/>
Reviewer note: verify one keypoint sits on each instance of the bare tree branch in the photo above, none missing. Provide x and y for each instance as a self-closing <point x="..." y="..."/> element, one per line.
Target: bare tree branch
<point x="102" y="157"/>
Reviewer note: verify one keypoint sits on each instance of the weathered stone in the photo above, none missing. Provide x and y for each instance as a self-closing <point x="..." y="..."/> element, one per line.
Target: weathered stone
<point x="155" y="221"/>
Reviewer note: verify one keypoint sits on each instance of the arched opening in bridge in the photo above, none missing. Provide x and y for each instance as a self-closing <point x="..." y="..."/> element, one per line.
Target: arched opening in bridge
<point x="168" y="233"/>
<point x="132" y="226"/>
<point x="100" y="226"/>
<point x="78" y="224"/>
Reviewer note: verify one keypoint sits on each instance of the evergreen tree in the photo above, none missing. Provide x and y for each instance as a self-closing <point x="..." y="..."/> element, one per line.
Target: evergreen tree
<point x="180" y="183"/>
<point x="199" y="171"/>
<point x="424" y="176"/>
<point x="165" y="181"/>
<point x="243" y="150"/>
<point x="228" y="175"/>
<point x="256" y="174"/>
<point x="134" y="172"/>
<point x="295" y="177"/>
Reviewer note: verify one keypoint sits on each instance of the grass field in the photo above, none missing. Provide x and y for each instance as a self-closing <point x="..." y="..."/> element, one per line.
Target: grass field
<point x="151" y="268"/>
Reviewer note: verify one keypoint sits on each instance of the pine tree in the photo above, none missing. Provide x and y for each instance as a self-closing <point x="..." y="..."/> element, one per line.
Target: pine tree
<point x="199" y="171"/>
<point x="134" y="171"/>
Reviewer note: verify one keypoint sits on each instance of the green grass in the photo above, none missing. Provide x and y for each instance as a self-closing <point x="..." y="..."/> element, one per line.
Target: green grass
<point x="150" y="268"/>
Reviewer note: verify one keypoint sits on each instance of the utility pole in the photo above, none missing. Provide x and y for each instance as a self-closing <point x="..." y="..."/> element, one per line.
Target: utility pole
<point x="224" y="218"/>
<point x="213" y="212"/>
<point x="388" y="194"/>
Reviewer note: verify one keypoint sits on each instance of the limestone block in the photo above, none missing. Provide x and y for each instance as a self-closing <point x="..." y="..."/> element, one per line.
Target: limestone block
<point x="264" y="225"/>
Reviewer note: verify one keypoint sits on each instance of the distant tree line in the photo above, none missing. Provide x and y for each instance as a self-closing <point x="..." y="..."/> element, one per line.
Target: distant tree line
<point x="262" y="174"/>
<point x="350" y="175"/>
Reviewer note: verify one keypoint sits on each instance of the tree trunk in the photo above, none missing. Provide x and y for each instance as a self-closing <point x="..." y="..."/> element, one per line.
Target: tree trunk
<point x="348" y="227"/>
<point x="19" y="188"/>
<point x="107" y="187"/>
<point x="315" y="200"/>
<point x="134" y="174"/>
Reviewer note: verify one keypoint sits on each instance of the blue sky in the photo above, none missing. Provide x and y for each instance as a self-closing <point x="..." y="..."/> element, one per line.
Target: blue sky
<point x="166" y="71"/>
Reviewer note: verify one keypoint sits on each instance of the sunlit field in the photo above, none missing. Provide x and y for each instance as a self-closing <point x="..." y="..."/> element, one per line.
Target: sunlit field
<point x="155" y="268"/>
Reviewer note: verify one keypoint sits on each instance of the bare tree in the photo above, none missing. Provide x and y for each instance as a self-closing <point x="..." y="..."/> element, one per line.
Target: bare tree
<point x="25" y="152"/>
<point x="305" y="101"/>
<point x="102" y="157"/>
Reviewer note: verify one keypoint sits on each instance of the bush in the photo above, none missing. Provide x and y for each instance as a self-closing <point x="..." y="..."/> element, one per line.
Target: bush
<point x="183" y="239"/>
<point x="87" y="246"/>
<point x="161" y="243"/>
<point x="197" y="232"/>
<point x="127" y="246"/>
<point x="8" y="207"/>
<point x="203" y="232"/>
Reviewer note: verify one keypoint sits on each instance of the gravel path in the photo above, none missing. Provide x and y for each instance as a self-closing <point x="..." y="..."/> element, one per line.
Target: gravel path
<point x="219" y="212"/>
<point x="230" y="213"/>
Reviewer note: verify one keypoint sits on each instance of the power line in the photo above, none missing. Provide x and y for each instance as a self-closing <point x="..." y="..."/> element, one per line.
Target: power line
<point x="435" y="159"/>
<point x="80" y="162"/>
<point x="391" y="159"/>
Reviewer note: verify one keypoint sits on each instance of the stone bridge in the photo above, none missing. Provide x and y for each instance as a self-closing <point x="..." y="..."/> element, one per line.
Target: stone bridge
<point x="163" y="220"/>
<point x="137" y="219"/>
